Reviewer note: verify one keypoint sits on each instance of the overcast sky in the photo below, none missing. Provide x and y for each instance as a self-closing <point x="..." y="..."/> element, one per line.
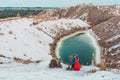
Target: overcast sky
<point x="53" y="3"/>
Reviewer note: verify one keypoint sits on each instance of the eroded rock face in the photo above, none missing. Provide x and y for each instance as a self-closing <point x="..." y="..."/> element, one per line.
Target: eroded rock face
<point x="109" y="37"/>
<point x="91" y="13"/>
<point x="108" y="29"/>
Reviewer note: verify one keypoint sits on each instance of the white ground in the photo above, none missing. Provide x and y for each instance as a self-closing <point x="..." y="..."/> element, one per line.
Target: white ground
<point x="27" y="42"/>
<point x="33" y="71"/>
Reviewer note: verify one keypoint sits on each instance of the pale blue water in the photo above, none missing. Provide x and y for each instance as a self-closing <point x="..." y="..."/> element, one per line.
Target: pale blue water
<point x="81" y="45"/>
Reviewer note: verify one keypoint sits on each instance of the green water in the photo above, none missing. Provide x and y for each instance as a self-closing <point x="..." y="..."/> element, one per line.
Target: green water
<point x="81" y="45"/>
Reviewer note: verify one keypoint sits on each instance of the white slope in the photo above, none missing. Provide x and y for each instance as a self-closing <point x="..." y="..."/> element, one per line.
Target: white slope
<point x="52" y="27"/>
<point x="25" y="42"/>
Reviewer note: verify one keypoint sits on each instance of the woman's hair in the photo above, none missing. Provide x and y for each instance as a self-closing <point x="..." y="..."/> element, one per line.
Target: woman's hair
<point x="76" y="57"/>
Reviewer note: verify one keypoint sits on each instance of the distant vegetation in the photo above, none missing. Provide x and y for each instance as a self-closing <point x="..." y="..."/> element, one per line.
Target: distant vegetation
<point x="18" y="12"/>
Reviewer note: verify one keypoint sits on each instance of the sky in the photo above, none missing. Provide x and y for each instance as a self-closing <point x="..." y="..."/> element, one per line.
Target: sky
<point x="53" y="3"/>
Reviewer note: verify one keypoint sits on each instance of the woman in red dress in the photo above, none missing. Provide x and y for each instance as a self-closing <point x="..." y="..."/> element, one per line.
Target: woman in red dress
<point x="77" y="64"/>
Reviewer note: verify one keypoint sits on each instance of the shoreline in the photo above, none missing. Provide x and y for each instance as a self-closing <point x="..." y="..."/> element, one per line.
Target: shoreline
<point x="65" y="37"/>
<point x="97" y="48"/>
<point x="94" y="42"/>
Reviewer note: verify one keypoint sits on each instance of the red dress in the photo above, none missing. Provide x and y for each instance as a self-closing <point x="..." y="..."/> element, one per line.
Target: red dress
<point x="77" y="65"/>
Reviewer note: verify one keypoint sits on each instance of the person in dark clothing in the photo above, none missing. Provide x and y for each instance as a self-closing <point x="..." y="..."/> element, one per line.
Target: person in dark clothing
<point x="73" y="61"/>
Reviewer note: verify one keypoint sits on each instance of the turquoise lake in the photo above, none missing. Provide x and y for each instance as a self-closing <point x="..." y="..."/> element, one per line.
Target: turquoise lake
<point x="80" y="44"/>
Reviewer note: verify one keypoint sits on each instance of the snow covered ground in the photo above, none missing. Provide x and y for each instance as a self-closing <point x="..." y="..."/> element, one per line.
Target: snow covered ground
<point x="33" y="71"/>
<point x="18" y="38"/>
<point x="23" y="41"/>
<point x="52" y="27"/>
